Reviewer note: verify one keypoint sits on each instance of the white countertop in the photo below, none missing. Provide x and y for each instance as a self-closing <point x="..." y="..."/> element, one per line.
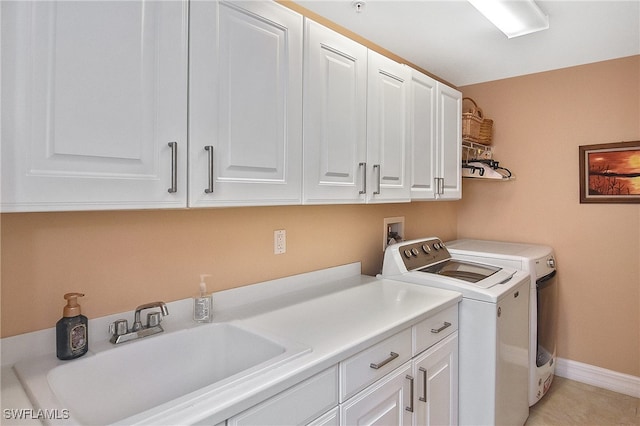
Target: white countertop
<point x="336" y="312"/>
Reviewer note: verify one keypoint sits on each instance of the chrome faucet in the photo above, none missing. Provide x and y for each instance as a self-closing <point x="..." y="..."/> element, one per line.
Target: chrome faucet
<point x="121" y="333"/>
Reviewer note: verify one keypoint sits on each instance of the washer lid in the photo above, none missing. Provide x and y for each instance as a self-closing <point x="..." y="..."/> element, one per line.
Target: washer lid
<point x="473" y="273"/>
<point x="467" y="271"/>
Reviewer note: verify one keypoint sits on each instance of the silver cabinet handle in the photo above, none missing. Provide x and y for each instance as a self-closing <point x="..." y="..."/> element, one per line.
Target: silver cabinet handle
<point x="410" y="407"/>
<point x="441" y="186"/>
<point x="392" y="356"/>
<point x="438" y="330"/>
<point x="209" y="149"/>
<point x="363" y="168"/>
<point x="174" y="167"/>
<point x="424" y="385"/>
<point x="377" y="167"/>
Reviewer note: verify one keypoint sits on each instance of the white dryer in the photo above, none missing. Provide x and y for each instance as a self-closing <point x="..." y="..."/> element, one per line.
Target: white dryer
<point x="538" y="261"/>
<point x="493" y="327"/>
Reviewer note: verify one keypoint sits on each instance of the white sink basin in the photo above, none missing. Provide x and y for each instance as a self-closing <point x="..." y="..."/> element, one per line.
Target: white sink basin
<point x="111" y="385"/>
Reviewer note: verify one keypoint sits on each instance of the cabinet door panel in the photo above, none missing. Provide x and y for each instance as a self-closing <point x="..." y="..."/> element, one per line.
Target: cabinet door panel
<point x="383" y="403"/>
<point x="251" y="86"/>
<point x="94" y="94"/>
<point x="334" y="116"/>
<point x="387" y="125"/>
<point x="436" y="374"/>
<point x="246" y="103"/>
<point x="450" y="135"/>
<point x="423" y="138"/>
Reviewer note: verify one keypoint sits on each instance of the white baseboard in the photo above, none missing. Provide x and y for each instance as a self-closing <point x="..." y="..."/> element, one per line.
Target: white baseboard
<point x="599" y="377"/>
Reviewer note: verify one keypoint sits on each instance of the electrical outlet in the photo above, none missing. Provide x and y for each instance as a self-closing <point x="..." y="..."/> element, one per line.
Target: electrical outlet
<point x="279" y="241"/>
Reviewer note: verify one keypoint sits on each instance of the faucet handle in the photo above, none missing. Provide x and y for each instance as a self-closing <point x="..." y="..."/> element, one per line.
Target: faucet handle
<point x="119" y="327"/>
<point x="153" y="319"/>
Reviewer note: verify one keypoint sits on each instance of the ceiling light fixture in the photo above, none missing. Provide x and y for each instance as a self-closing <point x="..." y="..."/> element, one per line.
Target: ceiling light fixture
<point x="513" y="17"/>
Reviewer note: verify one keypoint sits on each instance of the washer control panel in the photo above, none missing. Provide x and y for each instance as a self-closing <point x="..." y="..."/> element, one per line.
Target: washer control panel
<point x="418" y="254"/>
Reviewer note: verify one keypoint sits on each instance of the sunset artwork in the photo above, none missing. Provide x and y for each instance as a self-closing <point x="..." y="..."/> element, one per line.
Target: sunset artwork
<point x="610" y="172"/>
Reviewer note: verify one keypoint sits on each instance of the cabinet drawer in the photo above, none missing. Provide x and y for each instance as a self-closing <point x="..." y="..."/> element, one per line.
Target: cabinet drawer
<point x="299" y="404"/>
<point x="363" y="368"/>
<point x="435" y="328"/>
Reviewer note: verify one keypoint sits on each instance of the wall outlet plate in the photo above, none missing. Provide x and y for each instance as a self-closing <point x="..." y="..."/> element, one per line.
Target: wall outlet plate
<point x="279" y="241"/>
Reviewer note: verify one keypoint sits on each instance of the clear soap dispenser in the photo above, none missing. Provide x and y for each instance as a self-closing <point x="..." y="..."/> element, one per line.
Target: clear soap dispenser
<point x="203" y="303"/>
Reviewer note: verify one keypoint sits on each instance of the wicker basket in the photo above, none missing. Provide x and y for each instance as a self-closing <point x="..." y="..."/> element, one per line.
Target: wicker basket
<point x="475" y="127"/>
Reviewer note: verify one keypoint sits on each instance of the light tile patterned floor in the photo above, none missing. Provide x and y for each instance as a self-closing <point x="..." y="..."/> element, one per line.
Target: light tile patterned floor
<point x="574" y="403"/>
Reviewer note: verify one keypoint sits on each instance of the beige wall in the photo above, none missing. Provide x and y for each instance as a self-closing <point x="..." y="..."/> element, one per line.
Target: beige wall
<point x="123" y="259"/>
<point x="540" y="120"/>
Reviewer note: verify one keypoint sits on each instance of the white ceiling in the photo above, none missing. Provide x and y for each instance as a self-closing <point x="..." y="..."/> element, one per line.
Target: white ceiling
<point x="451" y="39"/>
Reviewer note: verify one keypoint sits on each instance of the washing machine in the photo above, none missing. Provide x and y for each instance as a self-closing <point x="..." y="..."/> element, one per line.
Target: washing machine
<point x="493" y="332"/>
<point x="538" y="261"/>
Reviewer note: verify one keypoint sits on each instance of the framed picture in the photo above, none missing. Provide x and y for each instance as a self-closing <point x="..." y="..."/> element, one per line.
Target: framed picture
<point x="610" y="173"/>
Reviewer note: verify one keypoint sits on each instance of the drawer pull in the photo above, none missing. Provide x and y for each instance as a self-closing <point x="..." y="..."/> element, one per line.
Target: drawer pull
<point x="410" y="407"/>
<point x="438" y="330"/>
<point x="392" y="356"/>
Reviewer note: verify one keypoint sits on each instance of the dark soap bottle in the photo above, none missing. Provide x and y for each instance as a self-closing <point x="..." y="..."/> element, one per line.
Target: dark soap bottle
<point x="72" y="331"/>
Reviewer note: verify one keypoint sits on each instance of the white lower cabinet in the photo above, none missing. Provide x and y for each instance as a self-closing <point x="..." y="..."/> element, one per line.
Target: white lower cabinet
<point x="422" y="391"/>
<point x="410" y="378"/>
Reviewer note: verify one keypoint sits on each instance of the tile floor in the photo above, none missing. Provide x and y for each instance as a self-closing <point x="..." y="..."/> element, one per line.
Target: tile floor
<point x="574" y="403"/>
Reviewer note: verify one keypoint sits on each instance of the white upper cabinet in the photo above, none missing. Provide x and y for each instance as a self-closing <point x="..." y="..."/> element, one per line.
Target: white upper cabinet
<point x="335" y="117"/>
<point x="355" y="122"/>
<point x="245" y="104"/>
<point x="95" y="97"/>
<point x="435" y="139"/>
<point x="93" y="93"/>
<point x="388" y="175"/>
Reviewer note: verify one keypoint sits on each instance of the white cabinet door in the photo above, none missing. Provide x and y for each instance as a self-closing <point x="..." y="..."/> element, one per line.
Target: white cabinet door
<point x="245" y="104"/>
<point x="92" y="95"/>
<point x="423" y="136"/>
<point x="335" y="114"/>
<point x="386" y="402"/>
<point x="436" y="373"/>
<point x="387" y="130"/>
<point x="450" y="142"/>
<point x="436" y="139"/>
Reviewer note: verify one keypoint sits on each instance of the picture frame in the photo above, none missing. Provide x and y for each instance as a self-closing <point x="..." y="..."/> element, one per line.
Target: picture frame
<point x="610" y="172"/>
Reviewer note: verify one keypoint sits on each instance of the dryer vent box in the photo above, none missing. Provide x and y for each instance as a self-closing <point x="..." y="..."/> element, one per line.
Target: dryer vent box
<point x="393" y="231"/>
